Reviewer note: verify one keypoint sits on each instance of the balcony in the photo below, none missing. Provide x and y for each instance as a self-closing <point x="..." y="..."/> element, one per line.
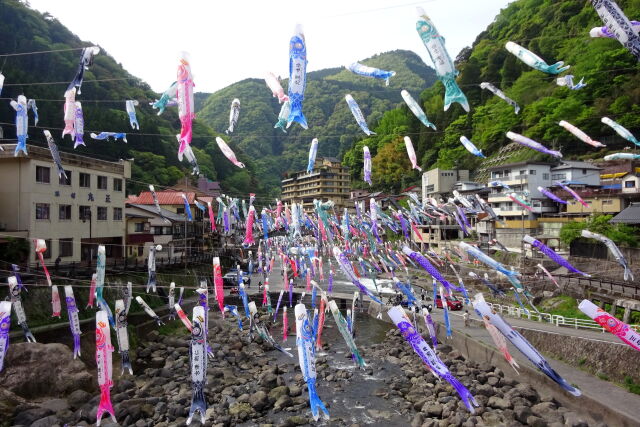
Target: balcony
<point x="497" y="198"/>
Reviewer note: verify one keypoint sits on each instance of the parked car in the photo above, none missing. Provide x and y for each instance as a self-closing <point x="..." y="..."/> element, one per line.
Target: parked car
<point x="230" y="280"/>
<point x="453" y="303"/>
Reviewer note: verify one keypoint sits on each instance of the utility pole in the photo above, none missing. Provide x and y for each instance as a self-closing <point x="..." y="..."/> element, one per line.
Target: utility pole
<point x="522" y="228"/>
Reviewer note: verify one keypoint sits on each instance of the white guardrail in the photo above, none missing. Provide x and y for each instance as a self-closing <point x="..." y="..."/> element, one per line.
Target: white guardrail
<point x="570" y="322"/>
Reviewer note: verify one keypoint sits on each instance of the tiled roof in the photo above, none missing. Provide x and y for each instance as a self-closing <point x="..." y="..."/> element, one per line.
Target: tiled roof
<point x="172" y="216"/>
<point x="631" y="215"/>
<point x="571" y="164"/>
<point x="164" y="198"/>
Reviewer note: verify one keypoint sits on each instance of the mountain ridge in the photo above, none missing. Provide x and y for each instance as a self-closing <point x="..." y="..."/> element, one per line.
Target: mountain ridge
<point x="329" y="118"/>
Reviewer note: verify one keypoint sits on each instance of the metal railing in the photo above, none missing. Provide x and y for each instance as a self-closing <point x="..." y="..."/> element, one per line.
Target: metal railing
<point x="554" y="319"/>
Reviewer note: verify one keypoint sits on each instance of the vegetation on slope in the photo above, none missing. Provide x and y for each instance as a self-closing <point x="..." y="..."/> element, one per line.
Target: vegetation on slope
<point x="553" y="30"/>
<point x="107" y="85"/>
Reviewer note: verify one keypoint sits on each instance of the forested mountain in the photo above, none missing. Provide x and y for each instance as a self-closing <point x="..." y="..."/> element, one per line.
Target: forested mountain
<point x="555" y="30"/>
<point x="44" y="77"/>
<point x="274" y="152"/>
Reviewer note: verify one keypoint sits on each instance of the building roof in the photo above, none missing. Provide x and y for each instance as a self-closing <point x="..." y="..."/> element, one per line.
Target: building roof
<point x="630" y="215"/>
<point x="571" y="164"/>
<point x="332" y="159"/>
<point x="171" y="216"/>
<point x="511" y="165"/>
<point x="164" y="198"/>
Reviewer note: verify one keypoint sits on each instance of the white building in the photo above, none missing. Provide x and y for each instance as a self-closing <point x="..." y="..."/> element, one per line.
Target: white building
<point x="73" y="215"/>
<point x="523" y="178"/>
<point x="576" y="172"/>
<point x="439" y="183"/>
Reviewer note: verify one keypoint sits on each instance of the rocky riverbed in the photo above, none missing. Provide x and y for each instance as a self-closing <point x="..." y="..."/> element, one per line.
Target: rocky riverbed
<point x="249" y="383"/>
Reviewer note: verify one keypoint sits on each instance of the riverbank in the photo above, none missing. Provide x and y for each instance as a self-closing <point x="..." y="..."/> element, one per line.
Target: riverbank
<point x="249" y="383"/>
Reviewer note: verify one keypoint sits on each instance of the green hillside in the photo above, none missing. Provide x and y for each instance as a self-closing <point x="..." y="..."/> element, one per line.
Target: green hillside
<point x="154" y="147"/>
<point x="555" y="30"/>
<point x="329" y="118"/>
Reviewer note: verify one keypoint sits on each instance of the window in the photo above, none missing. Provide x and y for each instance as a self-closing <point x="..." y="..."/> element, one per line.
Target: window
<point x="532" y="172"/>
<point x="117" y="184"/>
<point x="84" y="213"/>
<point x="523" y="172"/>
<point x="545" y="176"/>
<point x="65" y="247"/>
<point x="156" y="230"/>
<point x="42" y="175"/>
<point x="46" y="254"/>
<point x="607" y="202"/>
<point x="64" y="212"/>
<point x="584" y="171"/>
<point x="559" y="176"/>
<point x="140" y="250"/>
<point x="67" y="180"/>
<point x="85" y="180"/>
<point x="139" y="227"/>
<point x="629" y="184"/>
<point x="102" y="182"/>
<point x="117" y="214"/>
<point x="179" y="210"/>
<point x="102" y="213"/>
<point x="42" y="210"/>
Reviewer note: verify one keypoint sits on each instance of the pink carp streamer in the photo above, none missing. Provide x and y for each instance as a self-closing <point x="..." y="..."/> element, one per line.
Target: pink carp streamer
<point x="186" y="111"/>
<point x="104" y="366"/>
<point x="611" y="324"/>
<point x="212" y="219"/>
<point x="92" y="290"/>
<point x="285" y="324"/>
<point x="541" y="267"/>
<point x="573" y="194"/>
<point x="248" y="233"/>
<point x="501" y="343"/>
<point x="218" y="284"/>
<point x="580" y="134"/>
<point x="56" y="305"/>
<point x="41" y="248"/>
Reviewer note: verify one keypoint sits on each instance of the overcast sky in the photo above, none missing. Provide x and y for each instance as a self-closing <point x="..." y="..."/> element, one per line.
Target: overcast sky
<point x="230" y="40"/>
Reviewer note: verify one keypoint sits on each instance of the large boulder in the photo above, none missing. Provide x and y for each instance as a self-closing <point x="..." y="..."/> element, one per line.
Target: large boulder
<point x="34" y="370"/>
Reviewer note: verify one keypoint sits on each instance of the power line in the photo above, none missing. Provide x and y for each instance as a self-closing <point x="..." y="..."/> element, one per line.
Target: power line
<point x="38" y="52"/>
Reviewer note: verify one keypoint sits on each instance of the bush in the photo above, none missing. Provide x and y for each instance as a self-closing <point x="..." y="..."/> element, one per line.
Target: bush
<point x="621" y="234"/>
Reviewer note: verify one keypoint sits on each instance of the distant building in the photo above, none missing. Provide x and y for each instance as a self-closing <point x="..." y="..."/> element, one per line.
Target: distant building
<point x="172" y="206"/>
<point x="523" y="178"/>
<point x="145" y="227"/>
<point x="329" y="180"/>
<point x="209" y="188"/>
<point x="440" y="183"/>
<point x="570" y="171"/>
<point x="73" y="215"/>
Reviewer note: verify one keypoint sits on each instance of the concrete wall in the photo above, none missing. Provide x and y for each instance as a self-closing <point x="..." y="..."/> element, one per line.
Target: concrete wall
<point x="599" y="358"/>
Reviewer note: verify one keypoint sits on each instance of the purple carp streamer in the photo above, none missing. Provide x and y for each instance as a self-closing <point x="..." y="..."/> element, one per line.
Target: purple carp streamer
<point x="483" y="310"/>
<point x="429" y="268"/>
<point x="550" y="195"/>
<point x="347" y="269"/>
<point x="551" y="254"/>
<point x="5" y="325"/>
<point x="618" y="25"/>
<point x="527" y="142"/>
<point x="429" y="356"/>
